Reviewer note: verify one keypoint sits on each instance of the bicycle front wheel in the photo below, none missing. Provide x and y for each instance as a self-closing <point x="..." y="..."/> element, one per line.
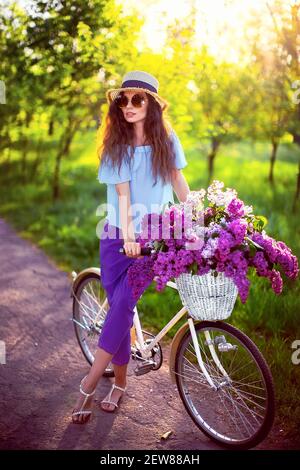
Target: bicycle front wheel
<point x="89" y="316"/>
<point x="239" y="413"/>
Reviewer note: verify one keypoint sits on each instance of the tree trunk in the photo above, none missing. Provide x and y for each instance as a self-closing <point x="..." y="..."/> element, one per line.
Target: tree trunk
<point x="297" y="193"/>
<point x="272" y="160"/>
<point x="24" y="158"/>
<point x="51" y="127"/>
<point x="38" y="158"/>
<point x="25" y="141"/>
<point x="296" y="139"/>
<point x="64" y="147"/>
<point x="56" y="187"/>
<point x="211" y="157"/>
<point x="7" y="161"/>
<point x="5" y="164"/>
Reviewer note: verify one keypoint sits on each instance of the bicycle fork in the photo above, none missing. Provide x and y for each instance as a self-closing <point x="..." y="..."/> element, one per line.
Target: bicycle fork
<point x="214" y="355"/>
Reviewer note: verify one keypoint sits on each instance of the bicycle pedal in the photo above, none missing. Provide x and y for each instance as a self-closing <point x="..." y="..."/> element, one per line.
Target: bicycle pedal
<point x="227" y="347"/>
<point x="144" y="369"/>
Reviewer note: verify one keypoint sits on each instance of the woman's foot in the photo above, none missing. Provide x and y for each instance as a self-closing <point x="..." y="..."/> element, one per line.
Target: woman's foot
<point x="110" y="402"/>
<point x="82" y="411"/>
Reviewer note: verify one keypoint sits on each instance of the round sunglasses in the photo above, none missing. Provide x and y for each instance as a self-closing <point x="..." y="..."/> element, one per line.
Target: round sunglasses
<point x="137" y="100"/>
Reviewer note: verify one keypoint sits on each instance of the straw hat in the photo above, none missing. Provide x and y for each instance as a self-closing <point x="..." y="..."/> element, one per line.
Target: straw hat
<point x="138" y="80"/>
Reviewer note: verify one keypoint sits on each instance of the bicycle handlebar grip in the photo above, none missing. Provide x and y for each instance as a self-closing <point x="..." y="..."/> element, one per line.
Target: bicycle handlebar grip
<point x="144" y="250"/>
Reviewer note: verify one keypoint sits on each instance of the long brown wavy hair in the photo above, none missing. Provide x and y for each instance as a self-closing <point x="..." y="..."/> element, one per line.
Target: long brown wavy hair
<point x="115" y="134"/>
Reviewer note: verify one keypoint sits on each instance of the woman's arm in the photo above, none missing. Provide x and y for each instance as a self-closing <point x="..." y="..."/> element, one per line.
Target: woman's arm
<point x="123" y="191"/>
<point x="132" y="248"/>
<point x="180" y="185"/>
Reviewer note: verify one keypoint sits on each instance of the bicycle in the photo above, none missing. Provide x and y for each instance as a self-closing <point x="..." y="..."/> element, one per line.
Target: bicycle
<point x="222" y="378"/>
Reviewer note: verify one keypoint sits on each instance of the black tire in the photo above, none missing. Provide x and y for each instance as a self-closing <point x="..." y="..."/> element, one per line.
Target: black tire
<point x="263" y="368"/>
<point x="86" y="350"/>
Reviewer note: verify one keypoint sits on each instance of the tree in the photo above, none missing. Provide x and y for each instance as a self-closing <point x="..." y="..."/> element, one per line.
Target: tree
<point x="224" y="102"/>
<point x="62" y="48"/>
<point x="286" y="21"/>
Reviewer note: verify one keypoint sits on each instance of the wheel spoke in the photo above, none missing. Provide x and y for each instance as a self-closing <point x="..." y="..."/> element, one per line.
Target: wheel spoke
<point x="88" y="308"/>
<point x="242" y="418"/>
<point x="250" y="384"/>
<point x="237" y="409"/>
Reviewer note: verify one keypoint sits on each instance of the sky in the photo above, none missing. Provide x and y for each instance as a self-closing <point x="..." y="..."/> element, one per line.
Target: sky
<point x="219" y="23"/>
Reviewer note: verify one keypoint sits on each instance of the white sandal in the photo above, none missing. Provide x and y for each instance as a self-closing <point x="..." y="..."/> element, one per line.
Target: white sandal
<point x="82" y="411"/>
<point x="109" y="398"/>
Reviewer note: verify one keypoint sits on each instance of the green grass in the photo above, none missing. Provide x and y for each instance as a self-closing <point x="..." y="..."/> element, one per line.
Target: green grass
<point x="66" y="231"/>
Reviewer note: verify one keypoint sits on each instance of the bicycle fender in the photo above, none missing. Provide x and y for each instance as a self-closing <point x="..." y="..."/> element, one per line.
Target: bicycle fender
<point x="174" y="345"/>
<point x="81" y="275"/>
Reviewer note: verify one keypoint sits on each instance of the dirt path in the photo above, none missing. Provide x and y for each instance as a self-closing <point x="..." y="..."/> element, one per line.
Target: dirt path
<point x="44" y="366"/>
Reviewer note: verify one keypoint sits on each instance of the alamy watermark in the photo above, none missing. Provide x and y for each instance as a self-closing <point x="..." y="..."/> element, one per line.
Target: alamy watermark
<point x="2" y="92"/>
<point x="172" y="226"/>
<point x="296" y="354"/>
<point x="2" y="352"/>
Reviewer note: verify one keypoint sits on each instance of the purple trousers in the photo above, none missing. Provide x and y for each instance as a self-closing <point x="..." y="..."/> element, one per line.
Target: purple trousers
<point x="115" y="334"/>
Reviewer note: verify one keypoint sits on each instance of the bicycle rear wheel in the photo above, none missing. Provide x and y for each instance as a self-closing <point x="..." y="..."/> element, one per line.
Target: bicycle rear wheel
<point x="240" y="412"/>
<point x="87" y="301"/>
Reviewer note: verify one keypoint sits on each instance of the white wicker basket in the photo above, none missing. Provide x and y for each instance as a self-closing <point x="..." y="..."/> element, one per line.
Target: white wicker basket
<point x="207" y="297"/>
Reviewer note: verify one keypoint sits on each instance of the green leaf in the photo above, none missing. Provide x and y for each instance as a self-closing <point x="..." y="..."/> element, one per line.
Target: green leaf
<point x="254" y="244"/>
<point x="193" y="268"/>
<point x="260" y="222"/>
<point x="252" y="250"/>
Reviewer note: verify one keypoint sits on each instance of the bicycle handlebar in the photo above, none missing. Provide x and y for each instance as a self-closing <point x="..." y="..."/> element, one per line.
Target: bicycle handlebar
<point x="144" y="251"/>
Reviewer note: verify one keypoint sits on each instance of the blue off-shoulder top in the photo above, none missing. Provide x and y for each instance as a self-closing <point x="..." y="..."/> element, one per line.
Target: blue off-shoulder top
<point x="145" y="196"/>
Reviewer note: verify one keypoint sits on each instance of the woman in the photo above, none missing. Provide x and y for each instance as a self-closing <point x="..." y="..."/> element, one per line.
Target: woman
<point x="141" y="158"/>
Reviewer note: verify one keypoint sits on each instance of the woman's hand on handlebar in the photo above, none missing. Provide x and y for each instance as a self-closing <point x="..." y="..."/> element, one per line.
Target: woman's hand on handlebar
<point x="132" y="249"/>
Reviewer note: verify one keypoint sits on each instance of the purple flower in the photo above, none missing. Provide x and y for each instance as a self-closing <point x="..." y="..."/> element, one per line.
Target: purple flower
<point x="238" y="228"/>
<point x="224" y="230"/>
<point x="261" y="264"/>
<point x="243" y="285"/>
<point x="225" y="242"/>
<point x="287" y="260"/>
<point x="140" y="274"/>
<point x="276" y="281"/>
<point x="236" y="208"/>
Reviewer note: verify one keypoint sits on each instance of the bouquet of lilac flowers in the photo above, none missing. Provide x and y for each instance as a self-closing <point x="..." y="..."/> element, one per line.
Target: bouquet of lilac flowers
<point x="222" y="237"/>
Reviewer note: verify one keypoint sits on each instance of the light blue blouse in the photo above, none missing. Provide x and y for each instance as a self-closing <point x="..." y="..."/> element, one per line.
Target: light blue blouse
<point x="145" y="198"/>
